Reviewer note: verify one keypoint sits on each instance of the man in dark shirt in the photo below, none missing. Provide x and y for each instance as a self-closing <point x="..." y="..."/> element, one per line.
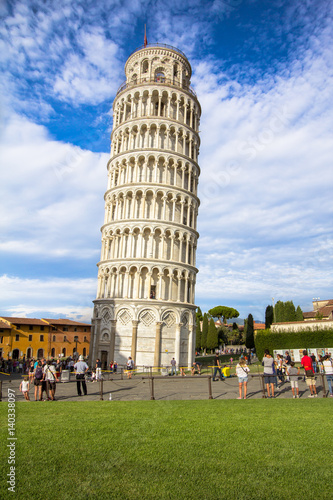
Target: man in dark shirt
<point x="217" y="367"/>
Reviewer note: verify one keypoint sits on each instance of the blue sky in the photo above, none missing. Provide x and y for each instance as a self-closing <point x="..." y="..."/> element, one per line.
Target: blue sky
<point x="263" y="74"/>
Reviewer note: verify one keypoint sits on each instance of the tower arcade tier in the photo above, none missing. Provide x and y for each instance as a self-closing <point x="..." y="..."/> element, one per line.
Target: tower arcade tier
<point x="146" y="276"/>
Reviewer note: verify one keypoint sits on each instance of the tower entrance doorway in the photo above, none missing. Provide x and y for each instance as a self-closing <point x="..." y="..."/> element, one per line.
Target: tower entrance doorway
<point x="104" y="360"/>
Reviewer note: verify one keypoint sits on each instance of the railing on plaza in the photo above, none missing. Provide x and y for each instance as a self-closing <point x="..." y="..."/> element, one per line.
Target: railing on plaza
<point x="152" y="375"/>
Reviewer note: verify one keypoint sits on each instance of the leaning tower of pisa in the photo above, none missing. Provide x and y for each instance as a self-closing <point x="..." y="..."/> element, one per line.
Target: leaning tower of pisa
<point x="146" y="276"/>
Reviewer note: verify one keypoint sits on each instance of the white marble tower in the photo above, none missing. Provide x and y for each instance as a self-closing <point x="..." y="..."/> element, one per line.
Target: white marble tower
<point x="146" y="276"/>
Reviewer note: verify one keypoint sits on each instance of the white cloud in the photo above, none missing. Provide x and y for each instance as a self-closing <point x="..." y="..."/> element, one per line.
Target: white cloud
<point x="45" y="297"/>
<point x="54" y="194"/>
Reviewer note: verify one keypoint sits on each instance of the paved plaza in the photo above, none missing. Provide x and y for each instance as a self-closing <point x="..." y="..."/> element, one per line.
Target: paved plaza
<point x="141" y="388"/>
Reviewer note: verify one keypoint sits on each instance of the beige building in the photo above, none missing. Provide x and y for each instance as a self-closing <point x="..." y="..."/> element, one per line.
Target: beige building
<point x="145" y="305"/>
<point x="39" y="338"/>
<point x="320" y="318"/>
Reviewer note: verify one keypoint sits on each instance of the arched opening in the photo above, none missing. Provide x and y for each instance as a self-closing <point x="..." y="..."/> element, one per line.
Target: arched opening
<point x="16" y="354"/>
<point x="40" y="353"/>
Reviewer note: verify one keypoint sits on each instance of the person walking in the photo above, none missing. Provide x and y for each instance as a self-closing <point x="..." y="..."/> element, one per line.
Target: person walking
<point x="98" y="369"/>
<point x="217" y="367"/>
<point x="81" y="368"/>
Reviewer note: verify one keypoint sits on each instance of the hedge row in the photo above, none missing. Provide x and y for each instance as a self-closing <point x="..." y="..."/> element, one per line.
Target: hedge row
<point x="313" y="339"/>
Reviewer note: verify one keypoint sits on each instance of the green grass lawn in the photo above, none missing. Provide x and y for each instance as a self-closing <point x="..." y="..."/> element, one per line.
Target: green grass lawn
<point x="260" y="449"/>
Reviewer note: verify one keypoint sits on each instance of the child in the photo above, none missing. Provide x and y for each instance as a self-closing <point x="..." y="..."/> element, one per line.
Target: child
<point x="93" y="376"/>
<point x="24" y="387"/>
<point x="241" y="371"/>
<point x="293" y="373"/>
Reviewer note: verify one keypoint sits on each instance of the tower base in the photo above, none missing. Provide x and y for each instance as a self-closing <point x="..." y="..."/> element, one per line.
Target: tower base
<point x="149" y="331"/>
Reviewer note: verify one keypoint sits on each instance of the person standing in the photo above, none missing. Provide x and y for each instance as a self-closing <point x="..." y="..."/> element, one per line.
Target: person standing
<point x="268" y="364"/>
<point x="24" y="388"/>
<point x="242" y="371"/>
<point x="217" y="367"/>
<point x="98" y="369"/>
<point x="293" y="373"/>
<point x="327" y="365"/>
<point x="129" y="367"/>
<point x="51" y="379"/>
<point x="81" y="368"/>
<point x="310" y="380"/>
<point x="173" y="367"/>
<point x="38" y="377"/>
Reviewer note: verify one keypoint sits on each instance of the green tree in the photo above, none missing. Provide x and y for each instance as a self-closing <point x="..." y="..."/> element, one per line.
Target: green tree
<point x="223" y="335"/>
<point x="223" y="312"/>
<point x="290" y="311"/>
<point x="299" y="314"/>
<point x="204" y="332"/>
<point x="249" y="339"/>
<point x="212" y="341"/>
<point x="286" y="311"/>
<point x="279" y="312"/>
<point x="199" y="314"/>
<point x="198" y="336"/>
<point x="269" y="316"/>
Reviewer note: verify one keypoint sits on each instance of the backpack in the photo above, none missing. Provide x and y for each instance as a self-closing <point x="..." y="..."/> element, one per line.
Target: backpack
<point x="38" y="373"/>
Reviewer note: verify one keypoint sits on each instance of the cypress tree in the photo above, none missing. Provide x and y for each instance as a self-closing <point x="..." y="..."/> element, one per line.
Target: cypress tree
<point x="290" y="311"/>
<point x="212" y="341"/>
<point x="199" y="314"/>
<point x="269" y="316"/>
<point x="204" y="332"/>
<point x="249" y="340"/>
<point x="299" y="314"/>
<point x="198" y="336"/>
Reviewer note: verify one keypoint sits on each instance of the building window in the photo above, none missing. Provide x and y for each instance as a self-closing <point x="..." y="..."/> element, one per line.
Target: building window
<point x="64" y="351"/>
<point x="85" y="339"/>
<point x="30" y="338"/>
<point x="53" y="328"/>
<point x="65" y="338"/>
<point x="53" y="338"/>
<point x="41" y="338"/>
<point x="53" y="352"/>
<point x="84" y="329"/>
<point x="31" y="327"/>
<point x="1" y="340"/>
<point x="17" y="337"/>
<point x="84" y="352"/>
<point x="42" y="328"/>
<point x="75" y="329"/>
<point x="65" y="329"/>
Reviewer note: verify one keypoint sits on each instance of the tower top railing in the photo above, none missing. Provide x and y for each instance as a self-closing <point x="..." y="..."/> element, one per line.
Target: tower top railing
<point x="162" y="45"/>
<point x="158" y="81"/>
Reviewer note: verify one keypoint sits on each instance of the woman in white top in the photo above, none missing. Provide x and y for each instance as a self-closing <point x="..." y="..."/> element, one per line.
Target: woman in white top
<point x="327" y="364"/>
<point x="242" y="371"/>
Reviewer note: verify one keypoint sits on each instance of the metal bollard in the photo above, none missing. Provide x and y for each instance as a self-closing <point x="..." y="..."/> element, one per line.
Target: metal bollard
<point x="101" y="389"/>
<point x="263" y="386"/>
<point x="324" y="388"/>
<point x="210" y="387"/>
<point x="152" y="396"/>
